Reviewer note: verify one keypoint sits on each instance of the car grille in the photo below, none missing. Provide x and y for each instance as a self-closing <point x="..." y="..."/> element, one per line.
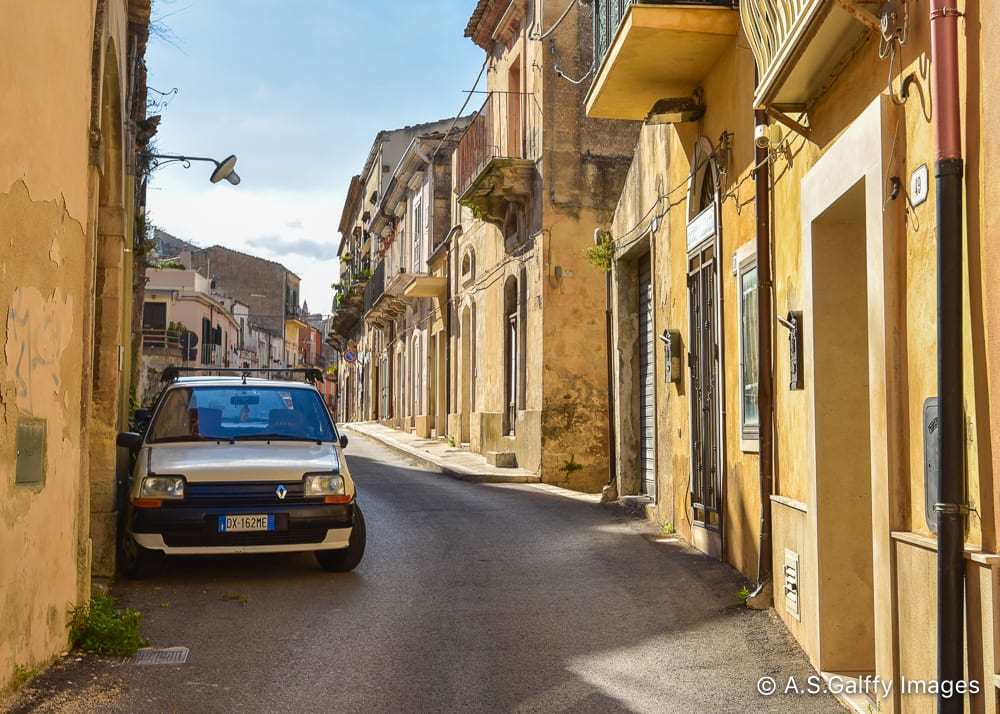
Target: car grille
<point x="223" y="495"/>
<point x="209" y="538"/>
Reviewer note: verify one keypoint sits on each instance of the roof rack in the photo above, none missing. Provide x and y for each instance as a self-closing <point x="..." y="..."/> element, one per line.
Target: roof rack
<point x="309" y="374"/>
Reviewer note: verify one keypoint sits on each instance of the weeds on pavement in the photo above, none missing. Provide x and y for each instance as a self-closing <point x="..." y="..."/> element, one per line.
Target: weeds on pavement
<point x="103" y="629"/>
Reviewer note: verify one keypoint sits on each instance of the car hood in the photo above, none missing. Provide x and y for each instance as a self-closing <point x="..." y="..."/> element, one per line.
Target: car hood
<point x="242" y="461"/>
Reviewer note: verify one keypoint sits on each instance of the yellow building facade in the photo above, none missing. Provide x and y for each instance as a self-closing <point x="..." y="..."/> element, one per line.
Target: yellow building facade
<point x="532" y="177"/>
<point x="67" y="211"/>
<point x="848" y="156"/>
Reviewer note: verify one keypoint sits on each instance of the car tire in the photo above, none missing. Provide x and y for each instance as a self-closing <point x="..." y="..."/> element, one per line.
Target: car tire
<point x="138" y="562"/>
<point x="346" y="559"/>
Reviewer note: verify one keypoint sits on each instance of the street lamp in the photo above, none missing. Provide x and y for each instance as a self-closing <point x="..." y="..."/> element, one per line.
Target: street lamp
<point x="225" y="169"/>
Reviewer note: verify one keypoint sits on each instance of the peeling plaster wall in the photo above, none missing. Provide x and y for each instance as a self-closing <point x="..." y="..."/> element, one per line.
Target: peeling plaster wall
<point x="48" y="221"/>
<point x="43" y="287"/>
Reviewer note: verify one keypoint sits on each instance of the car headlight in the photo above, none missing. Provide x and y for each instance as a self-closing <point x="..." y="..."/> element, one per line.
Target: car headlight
<point x="327" y="484"/>
<point x="162" y="488"/>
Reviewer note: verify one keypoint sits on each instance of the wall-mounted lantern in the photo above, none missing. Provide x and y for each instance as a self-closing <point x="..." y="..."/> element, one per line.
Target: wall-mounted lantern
<point x="671" y="355"/>
<point x="224" y="170"/>
<point x="793" y="322"/>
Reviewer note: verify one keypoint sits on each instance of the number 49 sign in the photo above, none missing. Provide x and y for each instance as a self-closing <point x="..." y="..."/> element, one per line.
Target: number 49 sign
<point x="918" y="185"/>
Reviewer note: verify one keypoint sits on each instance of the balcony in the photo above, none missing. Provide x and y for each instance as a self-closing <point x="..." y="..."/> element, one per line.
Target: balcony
<point x="800" y="45"/>
<point x="495" y="158"/>
<point x="164" y="342"/>
<point x="348" y="306"/>
<point x="646" y="52"/>
<point x="374" y="288"/>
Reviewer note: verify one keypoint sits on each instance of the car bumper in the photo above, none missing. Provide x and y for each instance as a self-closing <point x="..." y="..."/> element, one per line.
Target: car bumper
<point x="184" y="530"/>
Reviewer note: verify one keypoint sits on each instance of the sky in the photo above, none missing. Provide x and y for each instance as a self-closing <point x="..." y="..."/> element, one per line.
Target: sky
<point x="297" y="89"/>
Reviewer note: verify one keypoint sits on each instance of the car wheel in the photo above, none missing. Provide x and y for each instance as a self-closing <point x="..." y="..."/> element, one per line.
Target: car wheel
<point x="139" y="562"/>
<point x="345" y="559"/>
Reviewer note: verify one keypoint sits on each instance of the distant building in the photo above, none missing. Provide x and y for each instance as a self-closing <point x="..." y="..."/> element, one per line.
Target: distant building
<point x="269" y="289"/>
<point x="184" y="323"/>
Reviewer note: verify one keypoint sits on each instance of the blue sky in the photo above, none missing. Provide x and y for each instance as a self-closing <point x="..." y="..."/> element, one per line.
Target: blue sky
<point x="297" y="90"/>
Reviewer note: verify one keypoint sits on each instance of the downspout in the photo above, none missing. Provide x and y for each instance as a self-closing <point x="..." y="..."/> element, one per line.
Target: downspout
<point x="765" y="384"/>
<point x="950" y="511"/>
<point x="447" y="342"/>
<point x="612" y="438"/>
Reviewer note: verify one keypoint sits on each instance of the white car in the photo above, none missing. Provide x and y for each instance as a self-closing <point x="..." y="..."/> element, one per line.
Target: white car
<point x="231" y="464"/>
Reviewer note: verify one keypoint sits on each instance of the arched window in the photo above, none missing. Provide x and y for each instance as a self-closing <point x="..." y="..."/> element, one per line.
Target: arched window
<point x="704" y="182"/>
<point x="468" y="266"/>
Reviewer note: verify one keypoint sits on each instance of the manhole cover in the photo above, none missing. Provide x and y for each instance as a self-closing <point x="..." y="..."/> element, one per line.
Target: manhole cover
<point x="162" y="655"/>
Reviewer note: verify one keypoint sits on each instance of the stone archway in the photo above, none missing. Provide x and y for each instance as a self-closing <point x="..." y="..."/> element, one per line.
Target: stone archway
<point x="107" y="340"/>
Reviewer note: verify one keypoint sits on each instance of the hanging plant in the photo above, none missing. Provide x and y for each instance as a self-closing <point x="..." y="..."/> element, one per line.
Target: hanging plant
<point x="602" y="253"/>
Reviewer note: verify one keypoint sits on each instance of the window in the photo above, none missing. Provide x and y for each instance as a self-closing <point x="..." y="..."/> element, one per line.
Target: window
<point x="746" y="272"/>
<point x="418" y="233"/>
<point x="468" y="266"/>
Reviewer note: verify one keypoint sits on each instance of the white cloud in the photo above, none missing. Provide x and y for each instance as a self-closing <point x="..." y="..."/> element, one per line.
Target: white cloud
<point x="239" y="217"/>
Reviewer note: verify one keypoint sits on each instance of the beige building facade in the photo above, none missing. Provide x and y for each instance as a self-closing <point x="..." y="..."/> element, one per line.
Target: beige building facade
<point x="532" y="177"/>
<point x="68" y="214"/>
<point x="839" y="189"/>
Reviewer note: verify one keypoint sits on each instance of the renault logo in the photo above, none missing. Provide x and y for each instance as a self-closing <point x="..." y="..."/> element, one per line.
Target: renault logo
<point x="281" y="492"/>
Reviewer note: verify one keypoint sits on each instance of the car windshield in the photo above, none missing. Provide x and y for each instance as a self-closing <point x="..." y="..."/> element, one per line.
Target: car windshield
<point x="241" y="413"/>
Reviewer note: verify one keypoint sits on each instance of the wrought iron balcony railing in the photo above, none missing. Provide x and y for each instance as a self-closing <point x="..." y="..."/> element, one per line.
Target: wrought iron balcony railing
<point x="608" y="15"/>
<point x="374" y="288"/>
<point x="800" y="45"/>
<point x="507" y="126"/>
<point x="768" y="25"/>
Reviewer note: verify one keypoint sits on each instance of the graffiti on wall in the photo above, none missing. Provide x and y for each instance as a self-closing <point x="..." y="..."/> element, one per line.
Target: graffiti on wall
<point x="38" y="332"/>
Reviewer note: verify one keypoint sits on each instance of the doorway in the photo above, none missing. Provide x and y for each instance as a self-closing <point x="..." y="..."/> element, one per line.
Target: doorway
<point x="705" y="352"/>
<point x="842" y="442"/>
<point x="465" y="383"/>
<point x="647" y="382"/>
<point x="511" y="365"/>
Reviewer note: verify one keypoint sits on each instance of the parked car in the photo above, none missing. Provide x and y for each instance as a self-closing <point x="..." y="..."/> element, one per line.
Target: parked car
<point x="232" y="464"/>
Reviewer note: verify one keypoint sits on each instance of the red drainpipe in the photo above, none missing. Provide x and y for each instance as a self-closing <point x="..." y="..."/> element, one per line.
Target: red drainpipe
<point x="950" y="511"/>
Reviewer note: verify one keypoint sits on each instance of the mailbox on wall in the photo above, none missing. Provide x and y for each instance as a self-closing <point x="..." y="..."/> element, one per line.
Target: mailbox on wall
<point x="671" y="355"/>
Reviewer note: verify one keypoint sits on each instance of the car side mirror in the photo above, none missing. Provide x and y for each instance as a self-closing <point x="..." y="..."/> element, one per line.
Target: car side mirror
<point x="343" y="441"/>
<point x="129" y="440"/>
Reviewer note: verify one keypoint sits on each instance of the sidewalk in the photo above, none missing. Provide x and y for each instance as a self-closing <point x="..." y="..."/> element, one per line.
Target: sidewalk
<point x="453" y="461"/>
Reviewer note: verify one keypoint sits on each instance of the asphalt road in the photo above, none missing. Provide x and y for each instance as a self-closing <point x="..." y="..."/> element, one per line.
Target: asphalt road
<point x="470" y="598"/>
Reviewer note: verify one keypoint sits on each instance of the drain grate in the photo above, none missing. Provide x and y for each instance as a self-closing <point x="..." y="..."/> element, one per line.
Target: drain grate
<point x="162" y="655"/>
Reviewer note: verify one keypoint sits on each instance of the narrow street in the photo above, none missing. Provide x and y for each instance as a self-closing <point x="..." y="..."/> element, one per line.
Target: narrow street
<point x="470" y="598"/>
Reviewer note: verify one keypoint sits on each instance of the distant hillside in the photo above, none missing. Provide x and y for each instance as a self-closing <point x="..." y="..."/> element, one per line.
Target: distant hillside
<point x="169" y="246"/>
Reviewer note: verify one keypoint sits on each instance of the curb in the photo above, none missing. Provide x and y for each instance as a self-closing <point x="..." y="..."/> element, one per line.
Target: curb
<point x="454" y="472"/>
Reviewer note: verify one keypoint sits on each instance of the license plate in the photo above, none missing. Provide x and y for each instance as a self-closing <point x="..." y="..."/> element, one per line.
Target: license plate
<point x="246" y="522"/>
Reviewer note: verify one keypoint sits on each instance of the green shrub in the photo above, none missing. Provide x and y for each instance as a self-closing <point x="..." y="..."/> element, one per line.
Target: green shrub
<point x="602" y="253"/>
<point x="103" y="629"/>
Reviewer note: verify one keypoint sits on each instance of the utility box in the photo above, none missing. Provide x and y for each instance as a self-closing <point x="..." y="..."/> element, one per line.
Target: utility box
<point x="932" y="461"/>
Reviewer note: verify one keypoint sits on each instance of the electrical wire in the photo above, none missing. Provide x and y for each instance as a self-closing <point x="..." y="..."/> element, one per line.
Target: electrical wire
<point x="468" y="97"/>
<point x="563" y="75"/>
<point x="533" y="36"/>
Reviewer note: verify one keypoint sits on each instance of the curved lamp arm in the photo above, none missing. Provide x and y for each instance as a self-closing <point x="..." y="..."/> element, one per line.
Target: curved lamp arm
<point x="224" y="169"/>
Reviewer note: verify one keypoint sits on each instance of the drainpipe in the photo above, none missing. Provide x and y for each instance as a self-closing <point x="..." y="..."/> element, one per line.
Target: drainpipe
<point x="447" y="342"/>
<point x="765" y="389"/>
<point x="950" y="511"/>
<point x="612" y="438"/>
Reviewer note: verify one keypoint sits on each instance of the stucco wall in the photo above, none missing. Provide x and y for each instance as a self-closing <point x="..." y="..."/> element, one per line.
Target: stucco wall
<point x="49" y="220"/>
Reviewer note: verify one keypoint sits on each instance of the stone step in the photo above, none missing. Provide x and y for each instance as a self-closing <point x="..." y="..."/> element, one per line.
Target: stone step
<point x="502" y="459"/>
